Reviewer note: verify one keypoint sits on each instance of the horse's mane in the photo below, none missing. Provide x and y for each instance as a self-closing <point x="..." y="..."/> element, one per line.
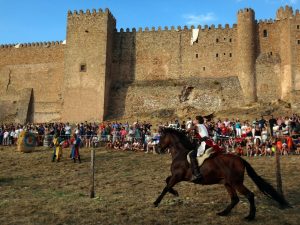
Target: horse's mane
<point x="181" y="134"/>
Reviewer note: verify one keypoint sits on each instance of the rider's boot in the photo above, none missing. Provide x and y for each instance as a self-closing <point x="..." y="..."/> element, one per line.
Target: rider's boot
<point x="197" y="176"/>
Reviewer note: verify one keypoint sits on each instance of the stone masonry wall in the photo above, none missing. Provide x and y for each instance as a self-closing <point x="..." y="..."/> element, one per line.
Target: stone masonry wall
<point x="268" y="77"/>
<point x="175" y="97"/>
<point x="168" y="54"/>
<point x="295" y="46"/>
<point x="38" y="67"/>
<point x="87" y="46"/>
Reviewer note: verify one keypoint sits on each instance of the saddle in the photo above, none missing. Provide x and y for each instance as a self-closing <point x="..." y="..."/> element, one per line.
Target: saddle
<point x="208" y="153"/>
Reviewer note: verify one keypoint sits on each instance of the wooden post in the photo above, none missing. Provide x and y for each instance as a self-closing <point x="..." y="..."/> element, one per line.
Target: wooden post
<point x="92" y="194"/>
<point x="278" y="172"/>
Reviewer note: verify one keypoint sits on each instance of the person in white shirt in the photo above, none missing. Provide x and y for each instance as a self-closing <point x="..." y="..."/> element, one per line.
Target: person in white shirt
<point x="68" y="131"/>
<point x="226" y="122"/>
<point x="5" y="137"/>
<point x="12" y="137"/>
<point x="17" y="133"/>
<point x="244" y="129"/>
<point x="202" y="134"/>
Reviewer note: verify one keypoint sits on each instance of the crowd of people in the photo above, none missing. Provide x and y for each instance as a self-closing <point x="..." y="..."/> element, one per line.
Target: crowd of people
<point x="250" y="138"/>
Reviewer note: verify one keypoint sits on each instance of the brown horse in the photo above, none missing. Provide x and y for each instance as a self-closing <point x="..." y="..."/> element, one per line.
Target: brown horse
<point x="227" y="169"/>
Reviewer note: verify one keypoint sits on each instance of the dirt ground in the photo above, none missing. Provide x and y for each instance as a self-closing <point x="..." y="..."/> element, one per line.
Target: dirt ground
<point x="34" y="190"/>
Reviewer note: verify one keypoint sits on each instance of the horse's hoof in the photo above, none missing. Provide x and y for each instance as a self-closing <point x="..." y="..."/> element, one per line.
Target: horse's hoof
<point x="223" y="213"/>
<point x="155" y="204"/>
<point x="249" y="218"/>
<point x="176" y="194"/>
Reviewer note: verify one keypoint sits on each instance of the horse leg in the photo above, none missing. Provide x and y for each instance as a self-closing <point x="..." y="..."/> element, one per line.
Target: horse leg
<point x="171" y="182"/>
<point x="234" y="200"/>
<point x="172" y="190"/>
<point x="250" y="196"/>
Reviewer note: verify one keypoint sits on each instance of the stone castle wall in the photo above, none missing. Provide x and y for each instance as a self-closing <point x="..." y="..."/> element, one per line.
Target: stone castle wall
<point x="38" y="66"/>
<point x="88" y="45"/>
<point x="168" y="54"/>
<point x="103" y="73"/>
<point x="175" y="97"/>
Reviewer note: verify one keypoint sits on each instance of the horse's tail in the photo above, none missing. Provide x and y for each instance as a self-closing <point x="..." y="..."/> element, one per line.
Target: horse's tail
<point x="264" y="186"/>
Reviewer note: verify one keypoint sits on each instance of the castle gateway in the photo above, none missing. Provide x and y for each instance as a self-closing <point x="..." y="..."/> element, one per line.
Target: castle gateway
<point x="99" y="72"/>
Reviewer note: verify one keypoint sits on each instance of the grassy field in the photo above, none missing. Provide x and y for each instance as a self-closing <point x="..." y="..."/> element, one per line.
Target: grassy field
<point x="34" y="190"/>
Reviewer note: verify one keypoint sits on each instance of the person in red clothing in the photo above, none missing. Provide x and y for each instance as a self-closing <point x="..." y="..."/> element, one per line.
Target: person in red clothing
<point x="239" y="150"/>
<point x="224" y="129"/>
<point x="75" y="145"/>
<point x="289" y="141"/>
<point x="123" y="134"/>
<point x="279" y="145"/>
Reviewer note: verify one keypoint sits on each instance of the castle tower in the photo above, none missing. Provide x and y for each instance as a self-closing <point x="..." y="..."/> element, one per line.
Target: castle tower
<point x="88" y="56"/>
<point x="284" y="13"/>
<point x="246" y="53"/>
<point x="287" y="50"/>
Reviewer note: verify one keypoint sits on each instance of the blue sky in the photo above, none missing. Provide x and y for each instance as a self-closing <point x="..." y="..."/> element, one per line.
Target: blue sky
<point x="23" y="21"/>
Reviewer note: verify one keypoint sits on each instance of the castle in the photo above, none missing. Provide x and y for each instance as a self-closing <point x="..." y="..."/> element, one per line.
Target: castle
<point x="99" y="72"/>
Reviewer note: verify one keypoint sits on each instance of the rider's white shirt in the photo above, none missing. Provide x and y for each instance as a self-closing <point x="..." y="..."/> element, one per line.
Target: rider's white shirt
<point x="203" y="133"/>
<point x="202" y="130"/>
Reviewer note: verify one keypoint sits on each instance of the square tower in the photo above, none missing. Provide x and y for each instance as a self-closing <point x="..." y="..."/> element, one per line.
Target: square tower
<point x="87" y="66"/>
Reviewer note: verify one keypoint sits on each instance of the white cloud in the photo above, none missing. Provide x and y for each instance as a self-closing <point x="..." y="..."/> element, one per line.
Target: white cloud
<point x="192" y="19"/>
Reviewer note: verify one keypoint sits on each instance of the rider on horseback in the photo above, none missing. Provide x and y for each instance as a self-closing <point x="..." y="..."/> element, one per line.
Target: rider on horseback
<point x="202" y="135"/>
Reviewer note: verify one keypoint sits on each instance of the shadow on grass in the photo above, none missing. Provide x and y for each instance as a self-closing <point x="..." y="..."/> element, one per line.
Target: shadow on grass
<point x="293" y="197"/>
<point x="6" y="180"/>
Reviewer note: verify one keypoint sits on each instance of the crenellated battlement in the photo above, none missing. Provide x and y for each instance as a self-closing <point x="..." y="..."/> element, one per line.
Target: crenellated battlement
<point x="178" y="28"/>
<point x="284" y="13"/>
<point x="33" y="44"/>
<point x="88" y="13"/>
<point x="246" y="11"/>
<point x="269" y="21"/>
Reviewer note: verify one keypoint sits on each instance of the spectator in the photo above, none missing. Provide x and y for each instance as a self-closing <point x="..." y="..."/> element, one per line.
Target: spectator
<point x="238" y="128"/>
<point x="183" y="125"/>
<point x="1" y="135"/>
<point x="123" y="134"/>
<point x="68" y="131"/>
<point x="6" y="138"/>
<point x="12" y="134"/>
<point x="95" y="141"/>
<point x="75" y="145"/>
<point x="249" y="147"/>
<point x="262" y="122"/>
<point x="89" y="134"/>
<point x="226" y="122"/>
<point x="57" y="142"/>
<point x="264" y="134"/>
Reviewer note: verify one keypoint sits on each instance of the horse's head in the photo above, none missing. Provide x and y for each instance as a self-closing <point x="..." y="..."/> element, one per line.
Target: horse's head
<point x="172" y="137"/>
<point x="165" y="140"/>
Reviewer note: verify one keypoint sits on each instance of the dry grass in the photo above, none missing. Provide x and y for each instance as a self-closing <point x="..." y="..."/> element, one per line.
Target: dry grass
<point x="33" y="190"/>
